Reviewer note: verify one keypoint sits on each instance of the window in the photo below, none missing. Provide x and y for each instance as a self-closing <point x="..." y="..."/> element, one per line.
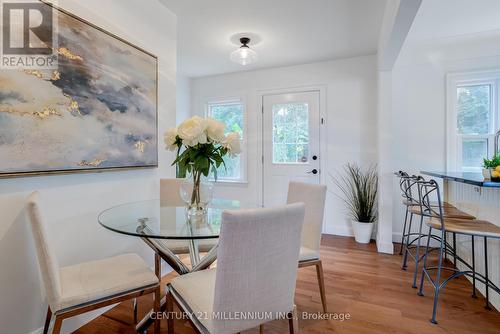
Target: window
<point x="231" y="113"/>
<point x="290" y="133"/>
<point x="473" y="117"/>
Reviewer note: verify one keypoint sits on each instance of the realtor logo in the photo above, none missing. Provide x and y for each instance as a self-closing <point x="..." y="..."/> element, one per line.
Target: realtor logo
<point x="29" y="40"/>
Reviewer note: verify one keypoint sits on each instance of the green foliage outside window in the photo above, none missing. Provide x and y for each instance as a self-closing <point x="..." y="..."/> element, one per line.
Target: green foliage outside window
<point x="474" y="109"/>
<point x="231" y="114"/>
<point x="290" y="132"/>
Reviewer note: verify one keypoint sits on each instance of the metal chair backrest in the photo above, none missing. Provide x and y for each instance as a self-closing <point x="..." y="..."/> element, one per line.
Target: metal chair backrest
<point x="407" y="184"/>
<point x="430" y="201"/>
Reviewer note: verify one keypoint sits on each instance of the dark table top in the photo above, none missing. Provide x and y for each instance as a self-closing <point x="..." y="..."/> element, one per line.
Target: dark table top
<point x="472" y="178"/>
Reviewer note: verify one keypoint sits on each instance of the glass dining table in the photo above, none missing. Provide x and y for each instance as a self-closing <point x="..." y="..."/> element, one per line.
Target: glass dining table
<point x="167" y="228"/>
<point x="169" y="231"/>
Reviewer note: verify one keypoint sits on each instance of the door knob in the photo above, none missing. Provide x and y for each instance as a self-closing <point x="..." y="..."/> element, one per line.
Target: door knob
<point x="314" y="171"/>
<point x="315" y="157"/>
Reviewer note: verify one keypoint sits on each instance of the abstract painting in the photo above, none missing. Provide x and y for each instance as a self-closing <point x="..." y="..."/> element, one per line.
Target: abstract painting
<point x="96" y="111"/>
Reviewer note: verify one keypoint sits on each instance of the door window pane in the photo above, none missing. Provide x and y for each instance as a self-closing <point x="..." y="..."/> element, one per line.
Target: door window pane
<point x="474" y="109"/>
<point x="473" y="152"/>
<point x="231" y="114"/>
<point x="290" y="133"/>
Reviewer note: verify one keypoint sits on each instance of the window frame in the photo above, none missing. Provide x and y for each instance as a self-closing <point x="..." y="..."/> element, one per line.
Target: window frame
<point x="244" y="152"/>
<point x="454" y="140"/>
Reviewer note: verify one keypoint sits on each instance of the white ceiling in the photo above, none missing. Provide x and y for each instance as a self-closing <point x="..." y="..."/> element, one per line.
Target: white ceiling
<point x="290" y="31"/>
<point x="453" y="29"/>
<point x="454" y="18"/>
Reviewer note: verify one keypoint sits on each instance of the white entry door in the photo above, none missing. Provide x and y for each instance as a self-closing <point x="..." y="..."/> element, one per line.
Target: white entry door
<point x="290" y="143"/>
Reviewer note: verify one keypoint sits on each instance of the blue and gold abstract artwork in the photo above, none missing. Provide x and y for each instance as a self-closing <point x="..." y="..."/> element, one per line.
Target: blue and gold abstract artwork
<point x="96" y="111"/>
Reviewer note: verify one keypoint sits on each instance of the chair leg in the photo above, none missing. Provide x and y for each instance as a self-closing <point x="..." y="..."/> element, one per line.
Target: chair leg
<point x="417" y="254"/>
<point x="134" y="305"/>
<point x="424" y="268"/>
<point x="57" y="325"/>
<point x="156" y="309"/>
<point x="454" y="250"/>
<point x="487" y="284"/>
<point x="473" y="247"/>
<point x="261" y="329"/>
<point x="170" y="313"/>
<point x="405" y="251"/>
<point x="437" y="283"/>
<point x="321" y="283"/>
<point x="47" y="321"/>
<point x="404" y="232"/>
<point x="293" y="321"/>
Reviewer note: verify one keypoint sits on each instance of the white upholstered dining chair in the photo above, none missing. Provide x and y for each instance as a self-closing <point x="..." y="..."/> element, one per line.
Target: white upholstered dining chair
<point x="255" y="274"/>
<point x="313" y="196"/>
<point x="87" y="286"/>
<point x="170" y="196"/>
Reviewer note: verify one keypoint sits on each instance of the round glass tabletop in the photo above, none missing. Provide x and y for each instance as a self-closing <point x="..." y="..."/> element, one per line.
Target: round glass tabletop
<point x="151" y="220"/>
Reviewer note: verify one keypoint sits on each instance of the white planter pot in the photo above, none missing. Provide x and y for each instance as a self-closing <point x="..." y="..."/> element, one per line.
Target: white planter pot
<point x="487" y="174"/>
<point x="362" y="232"/>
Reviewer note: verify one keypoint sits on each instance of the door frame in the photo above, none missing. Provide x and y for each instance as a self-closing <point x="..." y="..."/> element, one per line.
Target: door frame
<point x="322" y="89"/>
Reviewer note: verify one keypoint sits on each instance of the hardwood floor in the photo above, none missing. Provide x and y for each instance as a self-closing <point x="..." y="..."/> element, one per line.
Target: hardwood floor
<point x="369" y="286"/>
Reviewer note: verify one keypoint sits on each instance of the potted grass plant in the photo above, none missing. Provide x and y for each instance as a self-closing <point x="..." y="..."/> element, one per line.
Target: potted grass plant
<point x="359" y="192"/>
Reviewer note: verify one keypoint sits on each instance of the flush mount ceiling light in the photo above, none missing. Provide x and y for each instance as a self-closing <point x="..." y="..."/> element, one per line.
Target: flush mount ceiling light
<point x="244" y="55"/>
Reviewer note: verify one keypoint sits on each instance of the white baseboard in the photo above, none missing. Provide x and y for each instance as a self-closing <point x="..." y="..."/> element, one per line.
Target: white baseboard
<point x="344" y="231"/>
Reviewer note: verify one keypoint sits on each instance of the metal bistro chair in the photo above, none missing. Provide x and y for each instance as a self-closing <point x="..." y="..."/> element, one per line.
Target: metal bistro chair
<point x="473" y="228"/>
<point x="415" y="207"/>
<point x="406" y="182"/>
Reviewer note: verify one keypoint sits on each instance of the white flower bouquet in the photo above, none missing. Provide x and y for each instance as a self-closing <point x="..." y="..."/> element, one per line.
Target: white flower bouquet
<point x="201" y="145"/>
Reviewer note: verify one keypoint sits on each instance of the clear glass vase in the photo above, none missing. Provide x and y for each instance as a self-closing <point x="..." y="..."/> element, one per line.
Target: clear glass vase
<point x="197" y="191"/>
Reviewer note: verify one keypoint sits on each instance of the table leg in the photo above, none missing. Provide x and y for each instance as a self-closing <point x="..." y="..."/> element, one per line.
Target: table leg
<point x="207" y="260"/>
<point x="194" y="253"/>
<point x="167" y="255"/>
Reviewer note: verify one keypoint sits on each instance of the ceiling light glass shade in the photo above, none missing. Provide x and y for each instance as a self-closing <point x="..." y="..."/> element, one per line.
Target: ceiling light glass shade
<point x="244" y="55"/>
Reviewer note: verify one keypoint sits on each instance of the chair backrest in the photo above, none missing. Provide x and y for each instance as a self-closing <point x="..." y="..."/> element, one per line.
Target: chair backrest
<point x="408" y="186"/>
<point x="47" y="259"/>
<point x="257" y="264"/>
<point x="429" y="194"/>
<point x="170" y="192"/>
<point x="313" y="196"/>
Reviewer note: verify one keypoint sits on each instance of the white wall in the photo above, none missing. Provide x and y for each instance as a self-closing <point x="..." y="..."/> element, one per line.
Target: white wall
<point x="183" y="98"/>
<point x="350" y="115"/>
<point x="72" y="202"/>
